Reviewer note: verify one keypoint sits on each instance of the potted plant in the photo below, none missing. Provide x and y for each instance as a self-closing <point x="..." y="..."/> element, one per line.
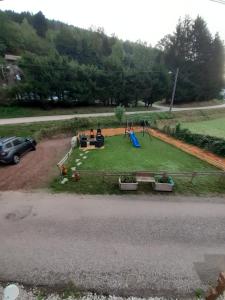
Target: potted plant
<point x="128" y="183"/>
<point x="164" y="183"/>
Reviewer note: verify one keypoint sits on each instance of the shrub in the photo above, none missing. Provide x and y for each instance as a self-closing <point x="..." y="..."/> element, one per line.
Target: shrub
<point x="128" y="179"/>
<point x="119" y="113"/>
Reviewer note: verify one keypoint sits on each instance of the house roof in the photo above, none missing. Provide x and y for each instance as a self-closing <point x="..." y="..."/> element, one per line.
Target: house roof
<point x="12" y="57"/>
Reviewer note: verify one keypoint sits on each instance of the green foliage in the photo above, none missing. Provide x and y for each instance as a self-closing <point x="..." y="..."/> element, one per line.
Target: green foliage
<point x="200" y="58"/>
<point x="199" y="293"/>
<point x="70" y="291"/>
<point x="128" y="179"/>
<point x="119" y="113"/>
<point x="40" y="24"/>
<point x="210" y="143"/>
<point x="81" y="67"/>
<point x="5" y="96"/>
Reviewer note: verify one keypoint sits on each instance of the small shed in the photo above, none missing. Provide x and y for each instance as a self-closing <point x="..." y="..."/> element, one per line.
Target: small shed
<point x="12" y="58"/>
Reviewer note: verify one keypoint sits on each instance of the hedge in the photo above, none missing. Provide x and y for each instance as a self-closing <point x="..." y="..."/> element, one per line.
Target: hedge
<point x="213" y="144"/>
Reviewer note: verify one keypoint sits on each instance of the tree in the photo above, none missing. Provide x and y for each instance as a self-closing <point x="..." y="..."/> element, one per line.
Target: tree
<point x="10" y="35"/>
<point x="79" y="66"/>
<point x="194" y="51"/>
<point x="66" y="44"/>
<point x="40" y="24"/>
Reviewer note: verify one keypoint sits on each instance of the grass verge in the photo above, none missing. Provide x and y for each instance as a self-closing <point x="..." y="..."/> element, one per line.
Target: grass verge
<point x="20" y="111"/>
<point x="51" y="128"/>
<point x="215" y="127"/>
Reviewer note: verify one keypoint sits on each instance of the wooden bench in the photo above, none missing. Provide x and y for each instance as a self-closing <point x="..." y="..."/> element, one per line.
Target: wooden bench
<point x="147" y="177"/>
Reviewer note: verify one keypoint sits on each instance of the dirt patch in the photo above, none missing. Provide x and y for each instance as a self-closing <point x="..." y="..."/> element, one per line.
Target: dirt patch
<point x="36" y="169"/>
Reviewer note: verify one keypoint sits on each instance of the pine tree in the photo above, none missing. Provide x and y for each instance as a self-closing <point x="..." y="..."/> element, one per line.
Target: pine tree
<point x="40" y="24"/>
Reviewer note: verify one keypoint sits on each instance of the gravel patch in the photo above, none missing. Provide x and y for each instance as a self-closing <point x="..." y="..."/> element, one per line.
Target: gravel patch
<point x="35" y="294"/>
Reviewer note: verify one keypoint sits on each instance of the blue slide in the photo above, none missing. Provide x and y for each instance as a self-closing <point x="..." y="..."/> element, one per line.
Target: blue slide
<point x="134" y="140"/>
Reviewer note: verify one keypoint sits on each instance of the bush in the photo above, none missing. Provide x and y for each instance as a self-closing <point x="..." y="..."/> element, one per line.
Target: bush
<point x="5" y="98"/>
<point x="128" y="179"/>
<point x="119" y="113"/>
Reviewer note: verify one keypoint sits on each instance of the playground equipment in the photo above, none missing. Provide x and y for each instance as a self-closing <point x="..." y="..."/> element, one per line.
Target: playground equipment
<point x="130" y="132"/>
<point x="134" y="140"/>
<point x="92" y="141"/>
<point x="145" y="127"/>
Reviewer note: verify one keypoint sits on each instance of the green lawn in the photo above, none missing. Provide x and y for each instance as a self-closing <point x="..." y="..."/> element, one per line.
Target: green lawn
<point x="154" y="155"/>
<point x="214" y="127"/>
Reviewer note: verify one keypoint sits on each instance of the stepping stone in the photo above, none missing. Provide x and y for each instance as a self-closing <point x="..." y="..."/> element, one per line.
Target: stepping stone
<point x="84" y="157"/>
<point x="80" y="163"/>
<point x="81" y="154"/>
<point x="78" y="159"/>
<point x="64" y="180"/>
<point x="73" y="168"/>
<point x="87" y="152"/>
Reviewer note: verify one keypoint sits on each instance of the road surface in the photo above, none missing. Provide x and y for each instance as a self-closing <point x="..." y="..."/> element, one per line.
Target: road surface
<point x="123" y="245"/>
<point x="69" y="117"/>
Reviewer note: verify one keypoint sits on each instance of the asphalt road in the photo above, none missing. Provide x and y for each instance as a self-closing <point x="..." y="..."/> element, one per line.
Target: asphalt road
<point x="68" y="117"/>
<point x="123" y="245"/>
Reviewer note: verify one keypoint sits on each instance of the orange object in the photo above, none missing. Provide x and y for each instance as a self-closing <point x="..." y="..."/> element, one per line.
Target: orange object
<point x="64" y="170"/>
<point x="76" y="176"/>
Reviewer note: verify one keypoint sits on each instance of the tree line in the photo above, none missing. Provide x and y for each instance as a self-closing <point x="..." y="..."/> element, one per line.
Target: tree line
<point x="71" y="66"/>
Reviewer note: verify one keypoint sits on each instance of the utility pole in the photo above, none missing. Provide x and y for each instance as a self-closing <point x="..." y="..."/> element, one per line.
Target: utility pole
<point x="174" y="89"/>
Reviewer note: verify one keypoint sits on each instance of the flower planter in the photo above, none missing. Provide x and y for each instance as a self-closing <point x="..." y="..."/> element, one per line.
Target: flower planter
<point x="164" y="187"/>
<point x="128" y="186"/>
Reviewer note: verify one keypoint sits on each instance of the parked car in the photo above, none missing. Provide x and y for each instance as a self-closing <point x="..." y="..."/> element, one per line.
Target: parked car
<point x="12" y="148"/>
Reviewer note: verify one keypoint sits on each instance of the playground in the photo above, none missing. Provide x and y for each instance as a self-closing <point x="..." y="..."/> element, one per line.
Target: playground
<point x="129" y="150"/>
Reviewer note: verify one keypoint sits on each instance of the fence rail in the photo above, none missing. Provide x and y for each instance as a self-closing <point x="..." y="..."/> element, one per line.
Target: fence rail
<point x="64" y="159"/>
<point x="190" y="175"/>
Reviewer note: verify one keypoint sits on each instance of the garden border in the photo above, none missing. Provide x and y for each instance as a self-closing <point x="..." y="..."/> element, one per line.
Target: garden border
<point x="204" y="155"/>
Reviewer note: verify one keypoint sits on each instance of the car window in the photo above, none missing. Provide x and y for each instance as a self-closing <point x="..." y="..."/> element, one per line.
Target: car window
<point x="17" y="142"/>
<point x="8" y="145"/>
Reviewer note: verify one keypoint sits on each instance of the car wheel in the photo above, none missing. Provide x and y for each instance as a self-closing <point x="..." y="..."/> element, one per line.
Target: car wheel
<point x="33" y="148"/>
<point x="16" y="159"/>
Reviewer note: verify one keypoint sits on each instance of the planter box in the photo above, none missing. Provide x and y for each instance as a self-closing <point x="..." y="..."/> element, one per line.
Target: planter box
<point x="128" y="186"/>
<point x="163" y="187"/>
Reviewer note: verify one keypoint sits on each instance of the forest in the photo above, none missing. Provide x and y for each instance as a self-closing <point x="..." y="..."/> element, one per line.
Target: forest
<point x="65" y="65"/>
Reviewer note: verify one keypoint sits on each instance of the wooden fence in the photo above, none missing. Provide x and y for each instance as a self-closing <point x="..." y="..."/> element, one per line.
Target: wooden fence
<point x="64" y="159"/>
<point x="189" y="175"/>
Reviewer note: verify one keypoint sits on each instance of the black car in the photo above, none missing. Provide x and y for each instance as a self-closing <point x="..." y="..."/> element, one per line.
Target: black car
<point x="12" y="148"/>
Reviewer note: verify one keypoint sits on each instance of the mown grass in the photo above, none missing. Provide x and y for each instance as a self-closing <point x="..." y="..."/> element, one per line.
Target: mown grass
<point x="215" y="127"/>
<point x="154" y="155"/>
<point x="190" y="117"/>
